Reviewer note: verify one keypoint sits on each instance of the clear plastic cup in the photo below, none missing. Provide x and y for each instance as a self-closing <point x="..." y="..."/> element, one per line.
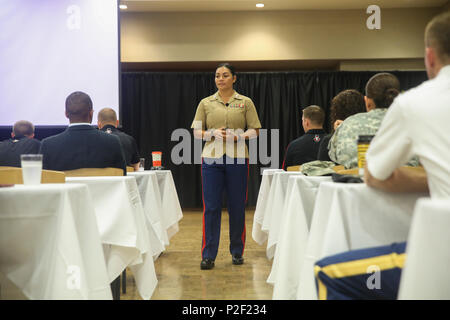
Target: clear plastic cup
<point x="141" y="164"/>
<point x="31" y="168"/>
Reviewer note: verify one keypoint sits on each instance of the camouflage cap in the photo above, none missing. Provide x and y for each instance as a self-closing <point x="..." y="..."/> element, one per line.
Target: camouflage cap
<point x="318" y="168"/>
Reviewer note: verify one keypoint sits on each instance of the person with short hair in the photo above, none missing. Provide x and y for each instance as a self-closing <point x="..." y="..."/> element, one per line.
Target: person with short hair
<point x="416" y="123"/>
<point x="81" y="145"/>
<point x="107" y="122"/>
<point x="305" y="148"/>
<point x="22" y="142"/>
<point x="381" y="89"/>
<point x="345" y="104"/>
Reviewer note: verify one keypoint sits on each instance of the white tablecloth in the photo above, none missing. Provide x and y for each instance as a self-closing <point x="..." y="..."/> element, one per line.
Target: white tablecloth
<point x="352" y="216"/>
<point x="426" y="271"/>
<point x="170" y="203"/>
<point x="124" y="229"/>
<point x="275" y="209"/>
<point x="160" y="200"/>
<point x="50" y="245"/>
<point x="261" y="204"/>
<point x="294" y="231"/>
<point x="151" y="202"/>
<point x="270" y="212"/>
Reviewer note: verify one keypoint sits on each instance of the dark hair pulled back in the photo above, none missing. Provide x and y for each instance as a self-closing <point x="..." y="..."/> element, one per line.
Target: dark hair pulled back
<point x="382" y="88"/>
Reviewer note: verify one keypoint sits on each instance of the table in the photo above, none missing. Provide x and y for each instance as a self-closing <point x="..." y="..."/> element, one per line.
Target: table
<point x="160" y="200"/>
<point x="269" y="213"/>
<point x="170" y="203"/>
<point x="350" y="216"/>
<point x="296" y="220"/>
<point x="125" y="231"/>
<point x="50" y="246"/>
<point x="151" y="202"/>
<point x="425" y="273"/>
<point x="261" y="204"/>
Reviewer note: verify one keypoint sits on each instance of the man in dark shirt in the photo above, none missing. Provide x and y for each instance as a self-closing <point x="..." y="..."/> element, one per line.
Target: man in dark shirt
<point x="81" y="145"/>
<point x="305" y="148"/>
<point x="107" y="122"/>
<point x="22" y="142"/>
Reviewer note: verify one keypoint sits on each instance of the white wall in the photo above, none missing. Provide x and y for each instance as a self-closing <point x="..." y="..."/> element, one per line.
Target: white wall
<point x="382" y="64"/>
<point x="277" y="35"/>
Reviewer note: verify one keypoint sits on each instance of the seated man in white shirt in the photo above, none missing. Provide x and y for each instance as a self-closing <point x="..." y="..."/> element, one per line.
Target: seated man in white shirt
<point x="416" y="124"/>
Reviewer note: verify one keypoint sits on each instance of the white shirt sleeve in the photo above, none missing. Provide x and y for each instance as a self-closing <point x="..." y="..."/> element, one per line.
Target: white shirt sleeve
<point x="391" y="146"/>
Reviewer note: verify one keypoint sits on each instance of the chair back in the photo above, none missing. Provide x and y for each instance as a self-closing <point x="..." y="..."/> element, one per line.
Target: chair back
<point x="13" y="175"/>
<point x="416" y="169"/>
<point x="94" y="172"/>
<point x="294" y="168"/>
<point x="354" y="171"/>
<point x="130" y="169"/>
<point x="52" y="176"/>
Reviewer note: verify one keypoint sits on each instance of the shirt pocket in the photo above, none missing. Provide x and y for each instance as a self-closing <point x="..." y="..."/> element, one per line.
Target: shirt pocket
<point x="236" y="116"/>
<point x="215" y="117"/>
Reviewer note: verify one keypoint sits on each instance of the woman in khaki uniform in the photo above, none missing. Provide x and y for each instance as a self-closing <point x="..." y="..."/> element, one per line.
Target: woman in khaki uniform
<point x="221" y="120"/>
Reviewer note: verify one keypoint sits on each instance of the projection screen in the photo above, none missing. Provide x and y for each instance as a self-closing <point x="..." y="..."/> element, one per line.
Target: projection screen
<point x="51" y="48"/>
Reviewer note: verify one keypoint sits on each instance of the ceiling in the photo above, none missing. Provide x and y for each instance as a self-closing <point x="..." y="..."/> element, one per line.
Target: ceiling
<point x="249" y="5"/>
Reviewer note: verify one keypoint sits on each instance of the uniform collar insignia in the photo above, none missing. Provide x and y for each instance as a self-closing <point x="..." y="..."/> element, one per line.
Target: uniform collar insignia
<point x="235" y="96"/>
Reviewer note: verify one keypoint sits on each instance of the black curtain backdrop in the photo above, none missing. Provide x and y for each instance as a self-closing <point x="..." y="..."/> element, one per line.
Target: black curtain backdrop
<point x="154" y="104"/>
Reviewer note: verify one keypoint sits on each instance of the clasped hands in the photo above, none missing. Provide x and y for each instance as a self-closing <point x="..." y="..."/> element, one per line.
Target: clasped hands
<point x="226" y="134"/>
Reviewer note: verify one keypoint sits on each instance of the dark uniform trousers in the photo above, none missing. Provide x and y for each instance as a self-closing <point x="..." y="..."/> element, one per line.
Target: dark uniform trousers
<point x="218" y="175"/>
<point x="364" y="274"/>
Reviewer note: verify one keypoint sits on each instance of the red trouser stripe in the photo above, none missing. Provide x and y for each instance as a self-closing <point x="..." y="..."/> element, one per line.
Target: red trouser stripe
<point x="246" y="198"/>
<point x="243" y="240"/>
<point x="248" y="171"/>
<point x="203" y="199"/>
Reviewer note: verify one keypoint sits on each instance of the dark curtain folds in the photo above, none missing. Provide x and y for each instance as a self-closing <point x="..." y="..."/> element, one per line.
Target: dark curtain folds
<point x="154" y="104"/>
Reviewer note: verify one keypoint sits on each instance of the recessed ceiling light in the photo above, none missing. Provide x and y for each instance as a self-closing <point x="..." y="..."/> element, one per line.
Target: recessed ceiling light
<point x="260" y="5"/>
<point x="123" y="6"/>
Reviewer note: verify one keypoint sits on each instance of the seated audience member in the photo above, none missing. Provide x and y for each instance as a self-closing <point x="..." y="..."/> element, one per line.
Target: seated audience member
<point x="305" y="148"/>
<point x="343" y="105"/>
<point x="107" y="122"/>
<point x="81" y="145"/>
<point x="417" y="122"/>
<point x="22" y="142"/>
<point x="381" y="90"/>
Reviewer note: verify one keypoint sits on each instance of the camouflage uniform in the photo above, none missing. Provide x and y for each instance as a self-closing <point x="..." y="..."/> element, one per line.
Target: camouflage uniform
<point x="343" y="148"/>
<point x="318" y="168"/>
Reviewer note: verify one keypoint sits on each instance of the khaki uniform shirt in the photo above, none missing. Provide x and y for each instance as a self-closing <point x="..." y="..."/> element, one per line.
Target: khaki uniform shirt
<point x="240" y="115"/>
